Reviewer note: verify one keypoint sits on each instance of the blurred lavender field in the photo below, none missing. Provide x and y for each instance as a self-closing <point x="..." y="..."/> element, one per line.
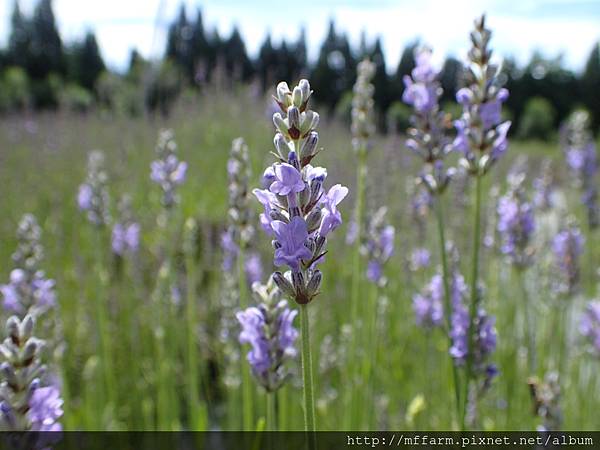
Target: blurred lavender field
<point x="459" y="290"/>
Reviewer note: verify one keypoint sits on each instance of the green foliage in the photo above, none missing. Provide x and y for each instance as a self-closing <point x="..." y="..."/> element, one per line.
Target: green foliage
<point x="398" y="117"/>
<point x="14" y="89"/>
<point x="343" y="109"/>
<point x="86" y="63"/>
<point x="75" y="98"/>
<point x="123" y="96"/>
<point x="538" y="120"/>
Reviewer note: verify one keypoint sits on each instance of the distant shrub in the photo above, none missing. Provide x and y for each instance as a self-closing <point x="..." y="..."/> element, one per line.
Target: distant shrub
<point x="46" y="92"/>
<point x="120" y="95"/>
<point x="398" y="117"/>
<point x="537" y="121"/>
<point x="14" y="89"/>
<point x="76" y="98"/>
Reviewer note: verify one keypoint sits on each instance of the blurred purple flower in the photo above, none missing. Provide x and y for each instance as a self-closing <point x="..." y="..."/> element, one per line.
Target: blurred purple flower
<point x="45" y="409"/>
<point x="428" y="306"/>
<point x="420" y="89"/>
<point x="516" y="224"/>
<point x="567" y="246"/>
<point x="419" y="259"/>
<point x="268" y="200"/>
<point x="589" y="325"/>
<point x="272" y="340"/>
<point x="125" y="238"/>
<point x="253" y="268"/>
<point x="84" y="197"/>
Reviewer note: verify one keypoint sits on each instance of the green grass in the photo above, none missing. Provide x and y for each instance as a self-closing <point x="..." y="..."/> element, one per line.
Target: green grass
<point x="42" y="162"/>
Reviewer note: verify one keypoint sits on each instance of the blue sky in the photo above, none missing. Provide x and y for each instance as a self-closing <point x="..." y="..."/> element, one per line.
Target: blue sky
<point x="567" y="27"/>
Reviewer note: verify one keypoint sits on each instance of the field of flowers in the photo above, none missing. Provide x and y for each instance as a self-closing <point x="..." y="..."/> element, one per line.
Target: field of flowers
<point x="440" y="279"/>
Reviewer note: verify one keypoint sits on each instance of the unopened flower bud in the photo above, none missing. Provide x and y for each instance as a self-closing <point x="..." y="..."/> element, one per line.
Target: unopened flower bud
<point x="283" y="284"/>
<point x="283" y="91"/>
<point x="314" y="284"/>
<point x="309" y="145"/>
<point x="281" y="145"/>
<point x="27" y="327"/>
<point x="304" y="86"/>
<point x="280" y="123"/>
<point x="12" y="329"/>
<point x="313" y="220"/>
<point x="297" y="97"/>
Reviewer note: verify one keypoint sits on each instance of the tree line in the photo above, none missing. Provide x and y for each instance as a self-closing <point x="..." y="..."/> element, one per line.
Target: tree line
<point x="38" y="71"/>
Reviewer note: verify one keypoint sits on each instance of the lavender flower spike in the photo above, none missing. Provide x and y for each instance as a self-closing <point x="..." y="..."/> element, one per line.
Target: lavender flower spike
<point x="580" y="153"/>
<point x="126" y="232"/>
<point x="516" y="223"/>
<point x="568" y="247"/>
<point x="27" y="405"/>
<point x="269" y="329"/>
<point x="92" y="197"/>
<point x="481" y="134"/>
<point x="379" y="246"/>
<point x="297" y="211"/>
<point x="363" y="127"/>
<point x="167" y="171"/>
<point x="427" y="136"/>
<point x="589" y="326"/>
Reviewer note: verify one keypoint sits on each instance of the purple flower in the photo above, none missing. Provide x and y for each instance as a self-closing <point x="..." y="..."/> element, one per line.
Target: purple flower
<point x="567" y="247"/>
<point x="379" y="246"/>
<point x="125" y="238"/>
<point x="500" y="144"/>
<point x="421" y="91"/>
<point x="24" y="291"/>
<point x="491" y="111"/>
<point x="84" y="197"/>
<point x="420" y="258"/>
<point x="589" y="325"/>
<point x="271" y="334"/>
<point x="45" y="409"/>
<point x="168" y="172"/>
<point x="516" y="224"/>
<point x="288" y="180"/>
<point x="253" y="268"/>
<point x="230" y="249"/>
<point x="291" y="242"/>
<point x="331" y="217"/>
<point x="268" y="177"/>
<point x="428" y="306"/>
<point x="269" y="201"/>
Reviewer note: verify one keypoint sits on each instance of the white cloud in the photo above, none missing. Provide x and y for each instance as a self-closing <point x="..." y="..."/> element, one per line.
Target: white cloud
<point x="519" y="28"/>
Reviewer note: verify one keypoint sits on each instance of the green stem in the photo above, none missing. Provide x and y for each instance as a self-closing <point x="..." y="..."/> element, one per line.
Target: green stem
<point x="270" y="413"/>
<point x="447" y="300"/>
<point x="529" y="325"/>
<point x="247" y="409"/>
<point x="195" y="417"/>
<point x="103" y="324"/>
<point x="307" y="378"/>
<point x="282" y="402"/>
<point x="474" y="297"/>
<point x="361" y="172"/>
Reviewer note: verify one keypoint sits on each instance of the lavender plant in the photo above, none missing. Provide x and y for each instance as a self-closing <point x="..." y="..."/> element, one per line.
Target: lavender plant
<point x="481" y="139"/>
<point x="580" y="154"/>
<point x="379" y="246"/>
<point x="362" y="129"/>
<point x="93" y="197"/>
<point x="546" y="397"/>
<point x="268" y="328"/>
<point x="26" y="403"/>
<point x="234" y="242"/>
<point x="516" y="223"/>
<point x="167" y="170"/>
<point x="589" y="326"/>
<point x="429" y="140"/>
<point x="300" y="213"/>
<point x="125" y="232"/>
<point x="567" y="247"/>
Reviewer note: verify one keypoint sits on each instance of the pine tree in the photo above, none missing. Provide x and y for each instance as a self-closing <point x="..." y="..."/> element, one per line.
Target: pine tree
<point x="87" y="62"/>
<point x="380" y="80"/>
<point x="200" y="52"/>
<point x="237" y="62"/>
<point x="47" y="54"/>
<point x="449" y="78"/>
<point x="590" y="86"/>
<point x="19" y="41"/>
<point x="335" y="70"/>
